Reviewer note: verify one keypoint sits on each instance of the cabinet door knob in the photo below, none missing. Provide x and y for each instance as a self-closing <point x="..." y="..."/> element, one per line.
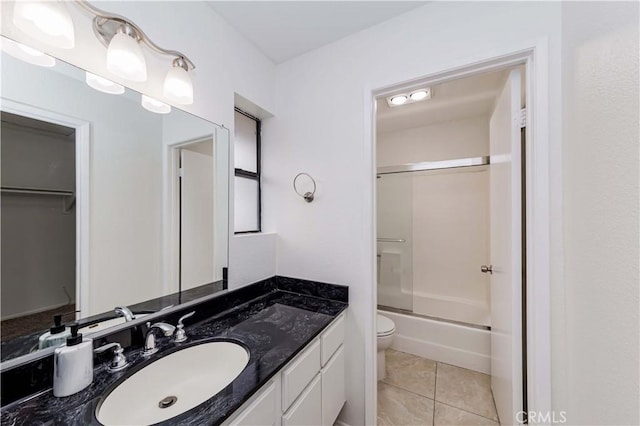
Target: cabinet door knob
<point x="487" y="269"/>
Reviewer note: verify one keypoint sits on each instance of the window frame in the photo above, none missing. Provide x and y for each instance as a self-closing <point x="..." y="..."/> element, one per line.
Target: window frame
<point x="252" y="175"/>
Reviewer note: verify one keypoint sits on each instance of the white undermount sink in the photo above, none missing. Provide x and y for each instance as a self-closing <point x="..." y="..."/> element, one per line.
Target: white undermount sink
<point x="173" y="384"/>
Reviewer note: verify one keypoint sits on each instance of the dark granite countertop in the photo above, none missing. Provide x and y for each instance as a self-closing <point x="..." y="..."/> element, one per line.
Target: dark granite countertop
<point x="274" y="327"/>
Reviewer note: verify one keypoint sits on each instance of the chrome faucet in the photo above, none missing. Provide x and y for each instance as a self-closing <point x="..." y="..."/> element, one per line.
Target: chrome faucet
<point x="125" y="312"/>
<point x="149" y="338"/>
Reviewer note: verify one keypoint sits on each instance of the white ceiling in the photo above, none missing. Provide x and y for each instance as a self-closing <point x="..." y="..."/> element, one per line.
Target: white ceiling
<point x="466" y="97"/>
<point x="285" y="29"/>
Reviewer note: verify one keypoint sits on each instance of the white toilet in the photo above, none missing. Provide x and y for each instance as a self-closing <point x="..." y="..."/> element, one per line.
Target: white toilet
<point x="385" y="328"/>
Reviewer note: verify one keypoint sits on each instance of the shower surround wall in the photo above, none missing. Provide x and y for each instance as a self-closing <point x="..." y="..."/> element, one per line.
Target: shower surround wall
<point x="449" y="220"/>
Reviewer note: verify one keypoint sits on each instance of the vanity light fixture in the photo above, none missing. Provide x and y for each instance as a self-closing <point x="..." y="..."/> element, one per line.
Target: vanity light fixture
<point x="155" y="105"/>
<point x="410" y="97"/>
<point x="46" y="21"/>
<point x="101" y="84"/>
<point x="177" y="84"/>
<point x="125" y="57"/>
<point x="50" y="22"/>
<point x="27" y="54"/>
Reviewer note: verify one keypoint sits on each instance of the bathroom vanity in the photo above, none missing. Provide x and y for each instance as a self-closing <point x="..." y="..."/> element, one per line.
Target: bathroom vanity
<point x="293" y="334"/>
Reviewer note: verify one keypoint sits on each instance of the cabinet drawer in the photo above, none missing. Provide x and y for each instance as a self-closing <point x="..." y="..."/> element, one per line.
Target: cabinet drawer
<point x="262" y="411"/>
<point x="298" y="375"/>
<point x="333" y="393"/>
<point x="307" y="410"/>
<point x="332" y="338"/>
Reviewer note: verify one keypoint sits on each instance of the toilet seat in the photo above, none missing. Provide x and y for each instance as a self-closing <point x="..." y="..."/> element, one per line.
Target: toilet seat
<point x="384" y="326"/>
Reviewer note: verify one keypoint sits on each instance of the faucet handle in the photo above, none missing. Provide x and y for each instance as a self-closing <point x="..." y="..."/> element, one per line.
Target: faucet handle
<point x="181" y="335"/>
<point x="119" y="361"/>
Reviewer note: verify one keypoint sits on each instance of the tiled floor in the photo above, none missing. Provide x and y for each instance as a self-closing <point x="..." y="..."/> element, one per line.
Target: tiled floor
<point x="421" y="392"/>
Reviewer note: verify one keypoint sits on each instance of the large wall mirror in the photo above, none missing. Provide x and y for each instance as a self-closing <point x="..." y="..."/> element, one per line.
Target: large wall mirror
<point x="109" y="210"/>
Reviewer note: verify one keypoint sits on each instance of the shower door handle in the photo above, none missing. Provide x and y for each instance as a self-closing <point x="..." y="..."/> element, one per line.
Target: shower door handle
<point x="487" y="269"/>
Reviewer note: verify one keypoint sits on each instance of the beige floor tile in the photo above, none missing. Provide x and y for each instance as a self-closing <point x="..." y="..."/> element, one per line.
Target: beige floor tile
<point x="410" y="372"/>
<point x="397" y="407"/>
<point x="446" y="415"/>
<point x="465" y="389"/>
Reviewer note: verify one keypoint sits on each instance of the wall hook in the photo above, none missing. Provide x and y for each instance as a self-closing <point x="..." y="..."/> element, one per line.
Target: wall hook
<point x="308" y="196"/>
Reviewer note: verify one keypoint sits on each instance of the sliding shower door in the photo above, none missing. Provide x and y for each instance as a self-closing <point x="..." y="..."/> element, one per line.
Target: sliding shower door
<point x="395" y="241"/>
<point x="433" y="233"/>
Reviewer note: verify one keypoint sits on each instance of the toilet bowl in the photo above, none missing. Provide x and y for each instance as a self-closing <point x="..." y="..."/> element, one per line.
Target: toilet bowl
<point x="385" y="329"/>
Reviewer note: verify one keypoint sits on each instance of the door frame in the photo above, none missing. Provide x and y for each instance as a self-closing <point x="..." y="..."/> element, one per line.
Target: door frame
<point x="171" y="252"/>
<point x="534" y="55"/>
<point x="82" y="192"/>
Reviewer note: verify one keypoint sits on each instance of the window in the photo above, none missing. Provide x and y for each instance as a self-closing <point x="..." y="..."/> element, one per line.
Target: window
<point x="247" y="173"/>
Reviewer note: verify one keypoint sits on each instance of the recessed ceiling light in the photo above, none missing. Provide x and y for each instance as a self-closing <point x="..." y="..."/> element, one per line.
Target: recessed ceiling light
<point x="419" y="95"/>
<point x="407" y="98"/>
<point x="399" y="100"/>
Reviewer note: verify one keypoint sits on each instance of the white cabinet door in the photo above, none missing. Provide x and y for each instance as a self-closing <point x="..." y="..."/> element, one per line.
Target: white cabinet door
<point x="299" y="373"/>
<point x="332" y="338"/>
<point x="307" y="410"/>
<point x="263" y="411"/>
<point x="333" y="394"/>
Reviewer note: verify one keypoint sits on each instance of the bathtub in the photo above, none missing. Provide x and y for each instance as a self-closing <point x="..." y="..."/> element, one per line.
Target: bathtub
<point x="462" y="345"/>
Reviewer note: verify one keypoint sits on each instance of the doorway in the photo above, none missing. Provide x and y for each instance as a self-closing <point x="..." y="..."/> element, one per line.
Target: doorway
<point x="193" y="171"/>
<point x="44" y="159"/>
<point x="433" y="299"/>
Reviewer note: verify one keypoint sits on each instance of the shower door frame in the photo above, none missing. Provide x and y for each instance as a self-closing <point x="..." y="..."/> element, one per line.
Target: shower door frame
<point x="534" y="55"/>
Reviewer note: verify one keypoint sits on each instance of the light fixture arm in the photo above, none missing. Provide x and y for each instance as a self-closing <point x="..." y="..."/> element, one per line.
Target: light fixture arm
<point x="105" y="26"/>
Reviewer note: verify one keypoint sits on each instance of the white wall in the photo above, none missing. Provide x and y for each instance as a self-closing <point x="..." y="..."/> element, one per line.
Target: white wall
<point x="601" y="179"/>
<point x="38" y="235"/>
<point x="226" y="64"/>
<point x="447" y="140"/>
<point x="327" y="133"/>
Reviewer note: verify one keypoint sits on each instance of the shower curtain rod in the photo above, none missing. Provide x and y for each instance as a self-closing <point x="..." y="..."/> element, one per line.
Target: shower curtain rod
<point x="435" y="165"/>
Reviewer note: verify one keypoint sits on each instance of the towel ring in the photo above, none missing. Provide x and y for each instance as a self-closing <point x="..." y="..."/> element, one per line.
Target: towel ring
<point x="308" y="196"/>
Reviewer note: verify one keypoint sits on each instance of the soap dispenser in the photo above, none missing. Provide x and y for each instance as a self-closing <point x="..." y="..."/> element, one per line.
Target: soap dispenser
<point x="73" y="365"/>
<point x="56" y="335"/>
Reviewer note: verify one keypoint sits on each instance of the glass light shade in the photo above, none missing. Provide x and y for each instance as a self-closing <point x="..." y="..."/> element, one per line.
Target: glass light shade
<point x="419" y="95"/>
<point x="125" y="58"/>
<point x="155" y="105"/>
<point x="46" y="21"/>
<point x="399" y="100"/>
<point x="103" y="85"/>
<point x="178" y="86"/>
<point x="27" y="54"/>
